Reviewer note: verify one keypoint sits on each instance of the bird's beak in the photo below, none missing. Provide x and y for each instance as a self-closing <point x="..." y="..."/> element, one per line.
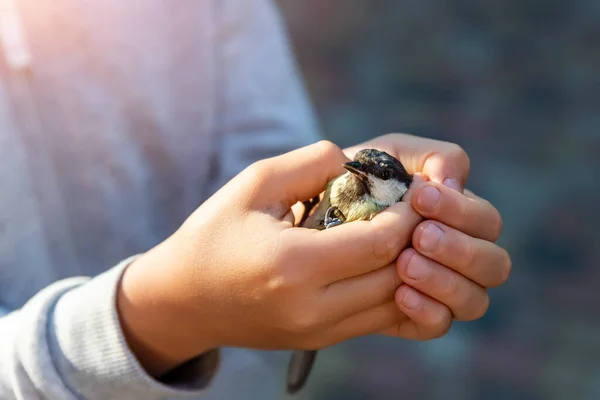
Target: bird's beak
<point x="356" y="168"/>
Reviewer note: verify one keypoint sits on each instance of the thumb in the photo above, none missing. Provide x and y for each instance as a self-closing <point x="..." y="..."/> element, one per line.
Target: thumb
<point x="304" y="173"/>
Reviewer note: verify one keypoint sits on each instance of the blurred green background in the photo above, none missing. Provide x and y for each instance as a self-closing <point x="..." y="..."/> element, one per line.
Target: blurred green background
<point x="517" y="84"/>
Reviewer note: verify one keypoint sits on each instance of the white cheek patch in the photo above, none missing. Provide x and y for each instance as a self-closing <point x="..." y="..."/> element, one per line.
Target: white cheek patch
<point x="387" y="192"/>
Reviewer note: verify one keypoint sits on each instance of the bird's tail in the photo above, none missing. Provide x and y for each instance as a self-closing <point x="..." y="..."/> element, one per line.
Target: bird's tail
<point x="299" y="369"/>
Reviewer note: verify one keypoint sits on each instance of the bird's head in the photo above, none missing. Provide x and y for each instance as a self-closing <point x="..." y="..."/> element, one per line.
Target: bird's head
<point x="381" y="176"/>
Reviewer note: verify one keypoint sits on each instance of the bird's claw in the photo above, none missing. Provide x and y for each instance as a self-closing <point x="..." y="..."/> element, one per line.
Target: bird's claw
<point x="330" y="220"/>
<point x="333" y="222"/>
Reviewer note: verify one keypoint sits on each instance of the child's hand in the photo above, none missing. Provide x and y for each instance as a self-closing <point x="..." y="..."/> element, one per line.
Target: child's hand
<point x="454" y="259"/>
<point x="238" y="273"/>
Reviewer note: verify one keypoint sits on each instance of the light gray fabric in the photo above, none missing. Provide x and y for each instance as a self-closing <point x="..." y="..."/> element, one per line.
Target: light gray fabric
<point x="130" y="115"/>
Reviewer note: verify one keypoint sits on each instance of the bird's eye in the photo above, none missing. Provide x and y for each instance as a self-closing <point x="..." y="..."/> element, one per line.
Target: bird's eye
<point x="385" y="175"/>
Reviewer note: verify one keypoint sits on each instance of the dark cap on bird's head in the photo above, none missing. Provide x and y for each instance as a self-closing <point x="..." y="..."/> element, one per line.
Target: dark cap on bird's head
<point x="378" y="164"/>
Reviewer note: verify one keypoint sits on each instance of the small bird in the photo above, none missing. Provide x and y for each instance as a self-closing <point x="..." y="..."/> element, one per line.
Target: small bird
<point x="375" y="180"/>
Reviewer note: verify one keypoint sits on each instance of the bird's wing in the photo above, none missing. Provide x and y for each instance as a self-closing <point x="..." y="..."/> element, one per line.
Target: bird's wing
<point x="315" y="220"/>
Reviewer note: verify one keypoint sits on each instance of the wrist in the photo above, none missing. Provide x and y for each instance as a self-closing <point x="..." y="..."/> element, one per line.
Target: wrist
<point x="158" y="329"/>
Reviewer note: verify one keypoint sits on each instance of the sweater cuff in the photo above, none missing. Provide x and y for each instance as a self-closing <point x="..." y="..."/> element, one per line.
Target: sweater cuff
<point x="91" y="354"/>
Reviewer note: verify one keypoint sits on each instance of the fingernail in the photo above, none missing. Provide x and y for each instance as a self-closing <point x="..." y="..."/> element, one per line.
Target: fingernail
<point x="416" y="268"/>
<point x="453" y="184"/>
<point x="430" y="238"/>
<point x="411" y="300"/>
<point x="428" y="198"/>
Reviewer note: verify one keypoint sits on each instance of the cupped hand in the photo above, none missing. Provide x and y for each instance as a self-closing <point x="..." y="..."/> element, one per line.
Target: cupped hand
<point x="453" y="259"/>
<point x="238" y="273"/>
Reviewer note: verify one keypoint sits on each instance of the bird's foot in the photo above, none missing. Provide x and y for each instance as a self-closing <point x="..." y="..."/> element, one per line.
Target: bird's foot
<point x="331" y="220"/>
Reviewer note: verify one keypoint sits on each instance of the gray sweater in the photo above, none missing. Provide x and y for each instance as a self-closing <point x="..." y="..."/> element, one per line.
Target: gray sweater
<point x="117" y="119"/>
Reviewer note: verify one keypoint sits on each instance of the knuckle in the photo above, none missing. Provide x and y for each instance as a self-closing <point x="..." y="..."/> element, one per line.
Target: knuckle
<point x="258" y="171"/>
<point x="280" y="253"/>
<point x="285" y="278"/>
<point x="277" y="283"/>
<point x="460" y="155"/>
<point x="327" y="149"/>
<point x="386" y="244"/>
<point x="391" y="137"/>
<point x="302" y="321"/>
<point x="470" y="256"/>
<point x="464" y="211"/>
<point x="384" y="249"/>
<point x="386" y="282"/>
<point x="452" y="287"/>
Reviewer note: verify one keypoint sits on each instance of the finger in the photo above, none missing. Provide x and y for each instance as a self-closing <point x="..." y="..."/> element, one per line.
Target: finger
<point x="444" y="162"/>
<point x="354" y="295"/>
<point x="471" y="195"/>
<point x="301" y="174"/>
<point x="470" y="214"/>
<point x="429" y="319"/>
<point x="353" y="248"/>
<point x="365" y="323"/>
<point x="467" y="300"/>
<point x="297" y="212"/>
<point x="479" y="260"/>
